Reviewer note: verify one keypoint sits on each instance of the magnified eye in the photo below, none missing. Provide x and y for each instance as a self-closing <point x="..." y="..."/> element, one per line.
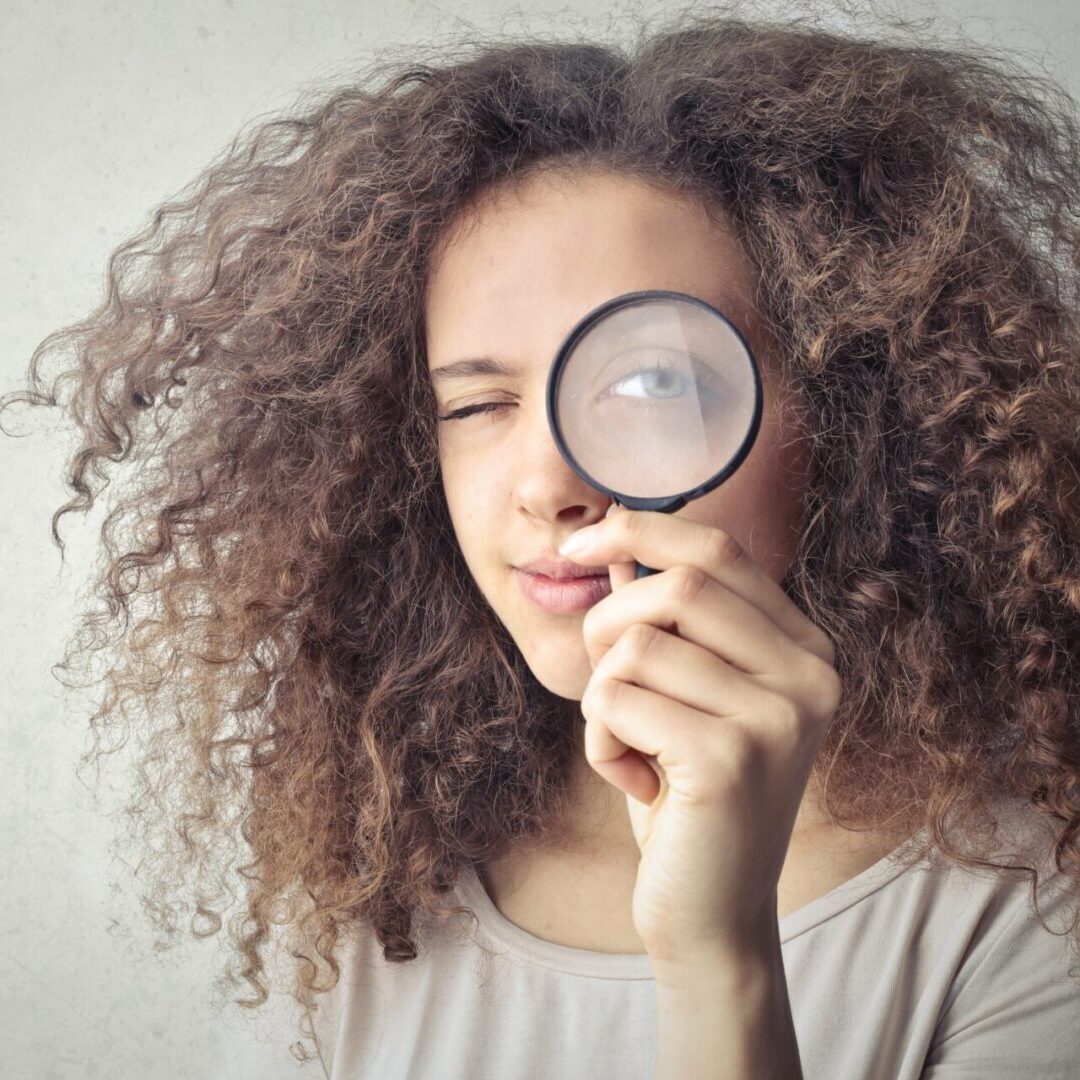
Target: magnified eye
<point x="663" y="382"/>
<point x="661" y="378"/>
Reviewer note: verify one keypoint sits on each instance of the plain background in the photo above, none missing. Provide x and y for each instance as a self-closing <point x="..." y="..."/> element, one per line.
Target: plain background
<point x="109" y="109"/>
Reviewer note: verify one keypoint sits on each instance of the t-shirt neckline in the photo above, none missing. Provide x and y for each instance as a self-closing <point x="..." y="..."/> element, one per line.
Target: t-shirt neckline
<point x="574" y="961"/>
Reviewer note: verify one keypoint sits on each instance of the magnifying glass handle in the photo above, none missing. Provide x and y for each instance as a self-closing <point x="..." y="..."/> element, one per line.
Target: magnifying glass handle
<point x="643" y="571"/>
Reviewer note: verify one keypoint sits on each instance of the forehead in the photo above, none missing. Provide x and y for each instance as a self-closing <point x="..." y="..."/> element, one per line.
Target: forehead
<point x="518" y="269"/>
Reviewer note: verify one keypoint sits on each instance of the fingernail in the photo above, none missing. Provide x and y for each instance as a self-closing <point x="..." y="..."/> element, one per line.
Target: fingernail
<point x="575" y="543"/>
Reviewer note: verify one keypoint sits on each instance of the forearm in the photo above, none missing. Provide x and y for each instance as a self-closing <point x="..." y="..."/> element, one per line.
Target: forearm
<point x="726" y="1017"/>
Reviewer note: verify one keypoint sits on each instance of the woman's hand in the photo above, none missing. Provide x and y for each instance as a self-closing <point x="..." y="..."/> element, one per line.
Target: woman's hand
<point x="709" y="697"/>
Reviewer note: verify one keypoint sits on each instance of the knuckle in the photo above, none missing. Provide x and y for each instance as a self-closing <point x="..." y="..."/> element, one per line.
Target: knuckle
<point x="601" y="694"/>
<point x="687" y="581"/>
<point x="586" y="703"/>
<point x="640" y="639"/>
<point x="824" y="681"/>
<point x="789" y="717"/>
<point x="832" y="686"/>
<point x="631" y="525"/>
<point x="824" y="647"/>
<point x="723" y="548"/>
<point x="738" y="755"/>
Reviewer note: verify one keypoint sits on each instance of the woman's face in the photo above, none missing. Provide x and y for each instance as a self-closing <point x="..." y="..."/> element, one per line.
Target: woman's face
<point x="508" y="283"/>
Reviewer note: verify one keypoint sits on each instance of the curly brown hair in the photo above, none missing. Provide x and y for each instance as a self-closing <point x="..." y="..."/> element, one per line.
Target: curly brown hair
<point x="283" y="590"/>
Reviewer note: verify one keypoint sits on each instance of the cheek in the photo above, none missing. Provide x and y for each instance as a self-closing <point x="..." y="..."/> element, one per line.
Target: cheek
<point x="471" y="498"/>
<point x="456" y="472"/>
<point x="774" y="474"/>
<point x="761" y="504"/>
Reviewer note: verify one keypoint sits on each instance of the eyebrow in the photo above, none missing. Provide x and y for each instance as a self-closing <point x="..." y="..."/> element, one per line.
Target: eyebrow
<point x="474" y="365"/>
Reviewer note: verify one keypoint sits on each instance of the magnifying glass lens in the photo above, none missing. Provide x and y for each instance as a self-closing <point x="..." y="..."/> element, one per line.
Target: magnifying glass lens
<point x="655" y="396"/>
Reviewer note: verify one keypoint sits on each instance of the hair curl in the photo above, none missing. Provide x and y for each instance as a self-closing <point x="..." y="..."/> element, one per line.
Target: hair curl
<point x="283" y="589"/>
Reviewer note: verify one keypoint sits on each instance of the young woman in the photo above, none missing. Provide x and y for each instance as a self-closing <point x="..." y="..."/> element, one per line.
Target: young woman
<point x="804" y="802"/>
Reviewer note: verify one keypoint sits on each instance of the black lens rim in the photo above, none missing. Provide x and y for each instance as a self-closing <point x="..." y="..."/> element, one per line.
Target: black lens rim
<point x="661" y="503"/>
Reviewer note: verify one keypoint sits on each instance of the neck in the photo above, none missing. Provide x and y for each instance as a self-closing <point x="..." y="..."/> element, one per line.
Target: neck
<point x="600" y="817"/>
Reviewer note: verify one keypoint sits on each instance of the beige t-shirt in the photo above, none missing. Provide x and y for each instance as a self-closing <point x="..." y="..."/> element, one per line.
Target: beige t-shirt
<point x="897" y="974"/>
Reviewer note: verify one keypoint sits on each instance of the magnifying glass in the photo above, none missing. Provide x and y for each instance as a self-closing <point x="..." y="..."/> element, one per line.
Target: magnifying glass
<point x="655" y="399"/>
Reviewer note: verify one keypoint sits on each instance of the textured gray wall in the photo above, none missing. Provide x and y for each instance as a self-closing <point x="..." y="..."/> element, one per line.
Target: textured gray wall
<point x="108" y="109"/>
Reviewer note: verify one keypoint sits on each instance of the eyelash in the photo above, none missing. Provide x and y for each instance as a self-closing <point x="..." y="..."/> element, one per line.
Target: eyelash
<point x="469" y="410"/>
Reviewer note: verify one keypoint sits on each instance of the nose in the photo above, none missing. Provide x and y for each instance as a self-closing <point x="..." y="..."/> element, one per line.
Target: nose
<point x="546" y="487"/>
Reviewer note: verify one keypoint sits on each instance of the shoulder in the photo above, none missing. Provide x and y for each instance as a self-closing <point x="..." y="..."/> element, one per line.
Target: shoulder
<point x="1013" y="1006"/>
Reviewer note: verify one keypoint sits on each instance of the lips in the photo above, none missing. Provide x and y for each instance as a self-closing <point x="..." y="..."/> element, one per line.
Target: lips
<point x="561" y="569"/>
<point x="564" y="596"/>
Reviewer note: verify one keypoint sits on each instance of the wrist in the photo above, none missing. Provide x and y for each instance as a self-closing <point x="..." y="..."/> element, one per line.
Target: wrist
<point x="726" y="1013"/>
<point x="726" y="972"/>
<point x="739" y="960"/>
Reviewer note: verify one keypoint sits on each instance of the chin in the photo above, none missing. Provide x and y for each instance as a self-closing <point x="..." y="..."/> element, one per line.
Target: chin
<point x="563" y="687"/>
<point x="566" y="676"/>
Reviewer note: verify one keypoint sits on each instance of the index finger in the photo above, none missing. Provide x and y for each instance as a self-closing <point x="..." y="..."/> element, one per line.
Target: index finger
<point x="662" y="541"/>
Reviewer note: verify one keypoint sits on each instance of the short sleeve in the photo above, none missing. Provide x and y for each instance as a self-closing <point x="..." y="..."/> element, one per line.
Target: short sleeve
<point x="1016" y="1016"/>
